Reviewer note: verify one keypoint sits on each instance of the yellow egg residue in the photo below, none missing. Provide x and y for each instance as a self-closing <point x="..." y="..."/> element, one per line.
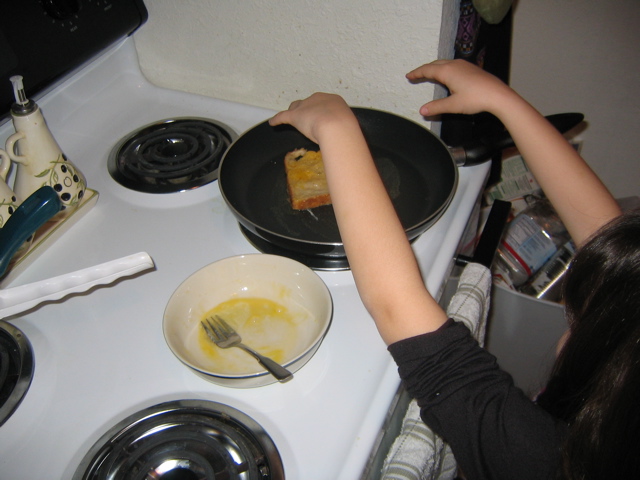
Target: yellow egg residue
<point x="264" y="325"/>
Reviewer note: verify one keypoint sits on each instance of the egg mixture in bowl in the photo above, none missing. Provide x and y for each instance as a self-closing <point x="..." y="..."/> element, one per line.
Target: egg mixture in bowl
<point x="281" y="308"/>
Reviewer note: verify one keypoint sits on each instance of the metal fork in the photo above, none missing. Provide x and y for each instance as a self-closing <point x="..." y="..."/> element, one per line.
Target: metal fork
<point x="224" y="336"/>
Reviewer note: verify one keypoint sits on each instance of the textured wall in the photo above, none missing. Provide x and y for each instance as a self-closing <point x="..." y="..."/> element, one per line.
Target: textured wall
<point x="270" y="52"/>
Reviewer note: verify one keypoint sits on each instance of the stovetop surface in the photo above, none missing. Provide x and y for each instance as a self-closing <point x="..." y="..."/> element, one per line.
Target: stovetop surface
<point x="101" y="356"/>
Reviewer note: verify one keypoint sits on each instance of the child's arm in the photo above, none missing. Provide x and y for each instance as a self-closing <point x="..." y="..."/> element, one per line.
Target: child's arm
<point x="381" y="259"/>
<point x="580" y="198"/>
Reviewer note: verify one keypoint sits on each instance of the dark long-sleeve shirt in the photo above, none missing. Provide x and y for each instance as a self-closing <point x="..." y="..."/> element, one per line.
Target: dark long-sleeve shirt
<point x="494" y="430"/>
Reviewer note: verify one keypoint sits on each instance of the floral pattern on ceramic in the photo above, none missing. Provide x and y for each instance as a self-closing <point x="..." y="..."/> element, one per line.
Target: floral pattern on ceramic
<point x="7" y="207"/>
<point x="9" y="201"/>
<point x="66" y="180"/>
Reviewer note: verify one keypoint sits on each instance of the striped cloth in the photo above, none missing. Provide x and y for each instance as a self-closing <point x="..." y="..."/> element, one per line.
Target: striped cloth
<point x="470" y="303"/>
<point x="418" y="453"/>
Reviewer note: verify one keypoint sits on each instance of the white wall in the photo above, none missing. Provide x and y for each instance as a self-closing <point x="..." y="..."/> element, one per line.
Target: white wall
<point x="583" y="55"/>
<point x="271" y="52"/>
<point x="568" y="55"/>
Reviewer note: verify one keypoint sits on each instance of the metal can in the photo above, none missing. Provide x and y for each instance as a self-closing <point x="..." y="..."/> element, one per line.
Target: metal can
<point x="547" y="283"/>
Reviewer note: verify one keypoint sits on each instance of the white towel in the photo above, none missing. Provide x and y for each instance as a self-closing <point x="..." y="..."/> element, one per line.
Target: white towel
<point x="418" y="453"/>
<point x="470" y="303"/>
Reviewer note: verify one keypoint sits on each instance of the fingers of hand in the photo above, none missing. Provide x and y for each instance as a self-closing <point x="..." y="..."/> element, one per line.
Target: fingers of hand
<point x="285" y="115"/>
<point x="278" y="119"/>
<point x="435" y="107"/>
<point x="428" y="71"/>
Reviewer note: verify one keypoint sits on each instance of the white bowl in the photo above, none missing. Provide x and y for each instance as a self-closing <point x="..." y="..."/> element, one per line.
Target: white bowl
<point x="236" y="287"/>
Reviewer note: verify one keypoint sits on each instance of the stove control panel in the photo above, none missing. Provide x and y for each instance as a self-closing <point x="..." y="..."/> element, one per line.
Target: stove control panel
<point x="62" y="9"/>
<point x="44" y="40"/>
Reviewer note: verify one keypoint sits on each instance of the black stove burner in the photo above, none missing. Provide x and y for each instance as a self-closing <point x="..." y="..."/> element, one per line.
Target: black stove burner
<point x="315" y="262"/>
<point x="186" y="439"/>
<point x="170" y="155"/>
<point x="16" y="369"/>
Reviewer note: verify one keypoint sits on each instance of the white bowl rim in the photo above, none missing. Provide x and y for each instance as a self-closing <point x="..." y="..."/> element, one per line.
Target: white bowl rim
<point x="245" y="376"/>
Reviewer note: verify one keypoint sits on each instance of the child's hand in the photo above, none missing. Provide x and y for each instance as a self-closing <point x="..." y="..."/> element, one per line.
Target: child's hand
<point x="472" y="89"/>
<point x="310" y="115"/>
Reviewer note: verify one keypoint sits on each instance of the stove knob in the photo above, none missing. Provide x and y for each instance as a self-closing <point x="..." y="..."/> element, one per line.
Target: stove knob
<point x="61" y="9"/>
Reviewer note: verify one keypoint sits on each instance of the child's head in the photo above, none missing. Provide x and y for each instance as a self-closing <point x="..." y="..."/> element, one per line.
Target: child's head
<point x="603" y="283"/>
<point x="595" y="385"/>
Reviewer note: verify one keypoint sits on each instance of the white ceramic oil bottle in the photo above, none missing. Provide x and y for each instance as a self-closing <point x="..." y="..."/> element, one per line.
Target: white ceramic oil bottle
<point x="40" y="161"/>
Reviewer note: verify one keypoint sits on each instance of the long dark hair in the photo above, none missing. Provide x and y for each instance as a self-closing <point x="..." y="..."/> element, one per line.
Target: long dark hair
<point x="595" y="384"/>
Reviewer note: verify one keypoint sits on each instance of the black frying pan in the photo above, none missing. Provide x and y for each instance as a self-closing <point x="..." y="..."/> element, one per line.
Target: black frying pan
<point x="417" y="168"/>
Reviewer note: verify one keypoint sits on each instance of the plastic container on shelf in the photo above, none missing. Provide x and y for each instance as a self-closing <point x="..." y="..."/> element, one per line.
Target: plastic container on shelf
<point x="530" y="240"/>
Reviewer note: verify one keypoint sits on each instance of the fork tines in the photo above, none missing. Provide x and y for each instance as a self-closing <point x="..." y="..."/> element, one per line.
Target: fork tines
<point x="224" y="325"/>
<point x="217" y="328"/>
<point x="209" y="328"/>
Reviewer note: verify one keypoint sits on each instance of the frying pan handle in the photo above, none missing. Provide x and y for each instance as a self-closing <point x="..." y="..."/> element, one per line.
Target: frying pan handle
<point x="490" y="237"/>
<point x="484" y="148"/>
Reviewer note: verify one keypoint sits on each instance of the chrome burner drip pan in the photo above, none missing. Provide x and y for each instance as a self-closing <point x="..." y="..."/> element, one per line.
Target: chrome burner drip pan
<point x="170" y="155"/>
<point x="16" y="369"/>
<point x="185" y="439"/>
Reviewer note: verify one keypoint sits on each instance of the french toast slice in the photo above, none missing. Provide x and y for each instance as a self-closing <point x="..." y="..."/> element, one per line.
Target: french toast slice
<point x="306" y="180"/>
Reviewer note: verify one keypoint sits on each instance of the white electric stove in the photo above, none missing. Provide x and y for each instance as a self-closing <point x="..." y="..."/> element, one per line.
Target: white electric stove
<point x="100" y="357"/>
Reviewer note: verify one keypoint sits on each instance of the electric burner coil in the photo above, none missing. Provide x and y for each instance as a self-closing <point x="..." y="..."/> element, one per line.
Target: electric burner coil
<point x="170" y="155"/>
